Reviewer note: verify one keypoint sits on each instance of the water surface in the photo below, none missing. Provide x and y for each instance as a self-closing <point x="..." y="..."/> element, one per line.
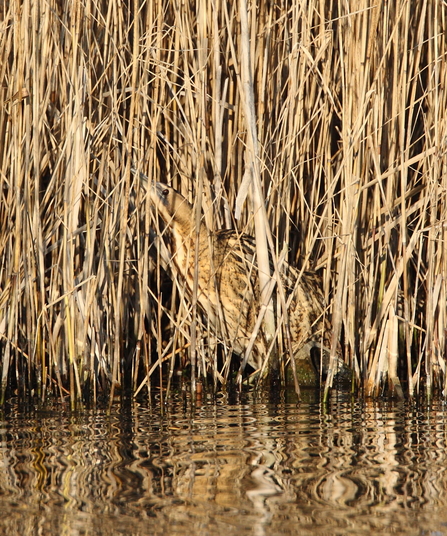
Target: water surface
<point x="251" y="467"/>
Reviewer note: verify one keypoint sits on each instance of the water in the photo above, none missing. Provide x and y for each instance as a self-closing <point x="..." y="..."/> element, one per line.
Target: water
<point x="253" y="467"/>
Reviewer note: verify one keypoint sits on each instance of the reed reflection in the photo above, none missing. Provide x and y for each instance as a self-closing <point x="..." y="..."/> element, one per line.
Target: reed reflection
<point x="383" y="458"/>
<point x="258" y="467"/>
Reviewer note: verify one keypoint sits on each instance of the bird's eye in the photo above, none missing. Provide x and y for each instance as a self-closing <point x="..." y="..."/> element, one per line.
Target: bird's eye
<point x="165" y="192"/>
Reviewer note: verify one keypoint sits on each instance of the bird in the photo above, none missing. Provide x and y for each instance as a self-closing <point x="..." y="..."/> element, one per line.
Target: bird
<point x="227" y="281"/>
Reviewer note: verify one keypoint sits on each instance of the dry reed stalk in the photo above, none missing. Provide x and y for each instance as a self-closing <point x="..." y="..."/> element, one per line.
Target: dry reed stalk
<point x="348" y="125"/>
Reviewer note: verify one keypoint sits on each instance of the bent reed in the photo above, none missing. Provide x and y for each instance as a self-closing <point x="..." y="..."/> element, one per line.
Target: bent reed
<point x="319" y="128"/>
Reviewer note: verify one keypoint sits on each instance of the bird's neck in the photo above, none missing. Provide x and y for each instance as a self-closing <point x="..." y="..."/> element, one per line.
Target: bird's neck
<point x="185" y="239"/>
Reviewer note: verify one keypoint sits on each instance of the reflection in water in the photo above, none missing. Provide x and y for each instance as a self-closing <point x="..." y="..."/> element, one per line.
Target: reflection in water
<point x="249" y="468"/>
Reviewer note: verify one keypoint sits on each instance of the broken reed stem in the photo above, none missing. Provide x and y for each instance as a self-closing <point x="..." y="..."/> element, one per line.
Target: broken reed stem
<point x="345" y="128"/>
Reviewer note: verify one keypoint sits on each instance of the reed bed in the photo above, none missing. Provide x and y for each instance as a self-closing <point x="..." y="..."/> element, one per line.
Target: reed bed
<point x="336" y="110"/>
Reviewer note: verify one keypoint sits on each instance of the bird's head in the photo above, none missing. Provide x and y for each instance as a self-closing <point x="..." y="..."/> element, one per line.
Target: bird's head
<point x="172" y="206"/>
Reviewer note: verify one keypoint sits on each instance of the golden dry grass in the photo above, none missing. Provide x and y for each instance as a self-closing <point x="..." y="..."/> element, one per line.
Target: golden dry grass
<point x="338" y="108"/>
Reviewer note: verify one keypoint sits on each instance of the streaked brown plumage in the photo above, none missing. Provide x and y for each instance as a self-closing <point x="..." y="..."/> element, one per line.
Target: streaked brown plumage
<point x="227" y="280"/>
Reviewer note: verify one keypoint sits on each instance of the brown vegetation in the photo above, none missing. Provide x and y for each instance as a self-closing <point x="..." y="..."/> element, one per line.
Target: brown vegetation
<point x="335" y="112"/>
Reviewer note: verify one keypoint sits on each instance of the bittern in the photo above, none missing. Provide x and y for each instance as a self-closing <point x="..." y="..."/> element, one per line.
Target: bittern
<point x="227" y="280"/>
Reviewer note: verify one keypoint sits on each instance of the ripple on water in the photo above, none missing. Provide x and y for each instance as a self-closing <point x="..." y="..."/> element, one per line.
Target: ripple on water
<point x="255" y="467"/>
